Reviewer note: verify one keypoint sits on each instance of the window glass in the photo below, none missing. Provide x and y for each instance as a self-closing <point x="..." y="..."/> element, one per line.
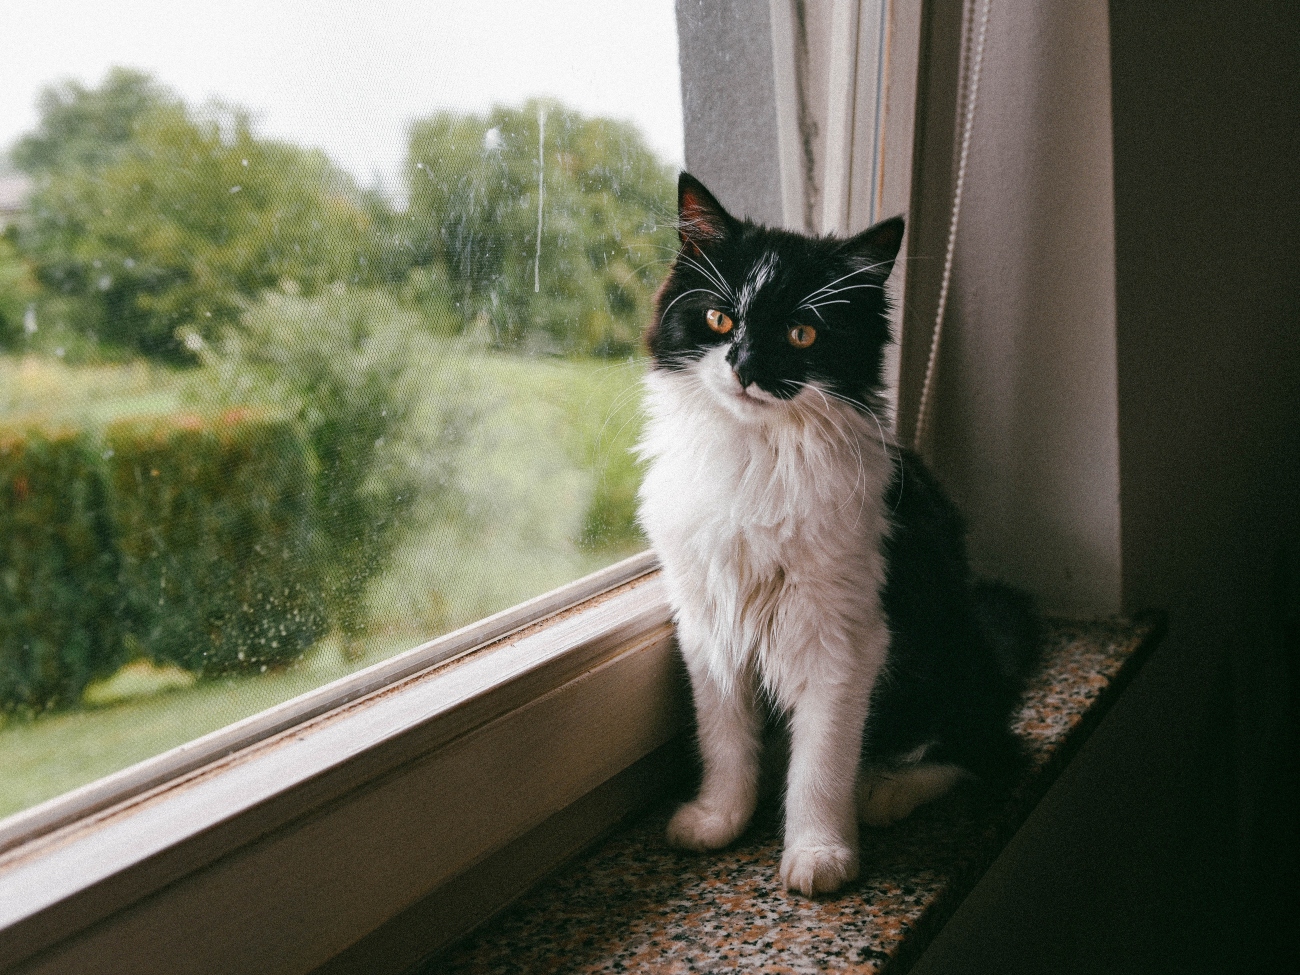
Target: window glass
<point x="318" y="337"/>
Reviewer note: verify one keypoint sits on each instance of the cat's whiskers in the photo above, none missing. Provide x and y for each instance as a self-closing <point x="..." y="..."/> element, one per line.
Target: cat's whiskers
<point x="859" y="405"/>
<point x="719" y="280"/>
<point x="828" y="287"/>
<point x="848" y="437"/>
<point x="808" y="411"/>
<point x="722" y="286"/>
<point x="663" y="261"/>
<point x="897" y="456"/>
<point x="813" y="302"/>
<point x="884" y="442"/>
<point x="620" y="401"/>
<point x="848" y="287"/>
<point x="707" y="291"/>
<point x="823" y="304"/>
<point x="856" y="405"/>
<point x="714" y="277"/>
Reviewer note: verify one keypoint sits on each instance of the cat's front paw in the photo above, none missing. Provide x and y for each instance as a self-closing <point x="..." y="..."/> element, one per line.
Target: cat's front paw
<point x="813" y="870"/>
<point x="704" y="826"/>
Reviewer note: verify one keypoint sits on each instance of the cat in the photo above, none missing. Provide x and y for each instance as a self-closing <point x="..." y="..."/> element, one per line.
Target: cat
<point x="815" y="569"/>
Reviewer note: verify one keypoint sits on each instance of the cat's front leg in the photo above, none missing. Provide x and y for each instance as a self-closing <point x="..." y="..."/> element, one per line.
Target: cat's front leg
<point x="821" y="831"/>
<point x="729" y="736"/>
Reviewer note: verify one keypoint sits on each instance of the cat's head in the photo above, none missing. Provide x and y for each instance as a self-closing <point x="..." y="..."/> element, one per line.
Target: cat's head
<point x="757" y="315"/>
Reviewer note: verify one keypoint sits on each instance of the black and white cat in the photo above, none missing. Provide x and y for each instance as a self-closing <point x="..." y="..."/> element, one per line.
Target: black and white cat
<point x="817" y="571"/>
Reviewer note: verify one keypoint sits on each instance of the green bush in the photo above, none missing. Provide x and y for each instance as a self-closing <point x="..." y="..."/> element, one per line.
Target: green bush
<point x="213" y="518"/>
<point x="18" y="292"/>
<point x="609" y="522"/>
<point x="180" y="539"/>
<point x="59" y="570"/>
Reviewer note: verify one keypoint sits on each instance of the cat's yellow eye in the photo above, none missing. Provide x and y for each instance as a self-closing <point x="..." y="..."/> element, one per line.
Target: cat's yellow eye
<point x="801" y="336"/>
<point x="719" y="322"/>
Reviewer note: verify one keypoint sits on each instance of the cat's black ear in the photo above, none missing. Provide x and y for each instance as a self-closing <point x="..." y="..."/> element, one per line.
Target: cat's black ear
<point x="877" y="245"/>
<point x="700" y="217"/>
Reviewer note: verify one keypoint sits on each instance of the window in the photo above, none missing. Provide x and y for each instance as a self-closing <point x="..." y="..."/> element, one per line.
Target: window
<point x="309" y="351"/>
<point x="508" y="734"/>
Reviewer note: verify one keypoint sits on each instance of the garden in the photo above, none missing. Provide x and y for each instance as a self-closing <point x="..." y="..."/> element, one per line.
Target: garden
<point x="260" y="427"/>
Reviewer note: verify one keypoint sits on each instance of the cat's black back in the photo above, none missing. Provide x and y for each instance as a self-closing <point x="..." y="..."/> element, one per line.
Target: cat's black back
<point x="959" y="647"/>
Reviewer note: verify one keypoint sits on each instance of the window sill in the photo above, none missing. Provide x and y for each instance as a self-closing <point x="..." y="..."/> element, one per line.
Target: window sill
<point x="636" y="905"/>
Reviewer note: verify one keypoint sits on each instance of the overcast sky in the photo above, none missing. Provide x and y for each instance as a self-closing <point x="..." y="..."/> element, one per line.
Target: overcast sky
<point x="348" y="76"/>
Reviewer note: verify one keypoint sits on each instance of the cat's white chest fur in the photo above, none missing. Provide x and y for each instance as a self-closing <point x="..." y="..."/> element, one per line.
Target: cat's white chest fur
<point x="767" y="517"/>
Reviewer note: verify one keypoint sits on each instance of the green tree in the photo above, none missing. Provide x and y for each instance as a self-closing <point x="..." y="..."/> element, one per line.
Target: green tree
<point x="160" y="222"/>
<point x="86" y="128"/>
<point x="606" y="212"/>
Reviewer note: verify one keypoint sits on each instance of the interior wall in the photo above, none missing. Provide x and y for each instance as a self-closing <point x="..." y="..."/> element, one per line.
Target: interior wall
<point x="729" y="104"/>
<point x="1024" y="425"/>
<point x="1172" y="843"/>
<point x="1207" y="137"/>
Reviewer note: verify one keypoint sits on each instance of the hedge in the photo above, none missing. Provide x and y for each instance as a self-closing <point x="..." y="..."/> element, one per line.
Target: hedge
<point x="181" y="539"/>
<point x="59" y="570"/>
<point x="213" y="522"/>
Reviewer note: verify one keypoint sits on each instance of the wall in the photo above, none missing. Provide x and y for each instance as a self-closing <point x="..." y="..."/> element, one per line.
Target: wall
<point x="729" y="104"/>
<point x="1024" y="425"/>
<point x="1171" y="842"/>
<point x="1207" y="137"/>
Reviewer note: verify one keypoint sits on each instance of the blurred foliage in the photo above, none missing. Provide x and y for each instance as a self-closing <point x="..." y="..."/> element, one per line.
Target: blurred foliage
<point x="610" y="521"/>
<point x="345" y="366"/>
<point x="88" y="128"/>
<point x="213" y="519"/>
<point x="606" y="212"/>
<point x="179" y="539"/>
<point x="151" y="222"/>
<point x="156" y="221"/>
<point x="59" y="570"/>
<point x="19" y="293"/>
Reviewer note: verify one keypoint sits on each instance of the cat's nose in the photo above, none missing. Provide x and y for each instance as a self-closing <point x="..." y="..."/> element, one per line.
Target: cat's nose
<point x="740" y="360"/>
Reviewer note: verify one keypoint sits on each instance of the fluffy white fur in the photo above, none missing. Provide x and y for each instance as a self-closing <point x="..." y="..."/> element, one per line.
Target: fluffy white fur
<point x="768" y="518"/>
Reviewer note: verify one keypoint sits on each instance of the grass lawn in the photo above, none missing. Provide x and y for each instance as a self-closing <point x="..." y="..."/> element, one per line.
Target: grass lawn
<point x="46" y="390"/>
<point x="51" y="754"/>
<point x="545" y="488"/>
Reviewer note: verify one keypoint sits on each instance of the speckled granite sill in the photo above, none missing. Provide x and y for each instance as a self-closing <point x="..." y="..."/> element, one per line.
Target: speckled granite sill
<point x="634" y="905"/>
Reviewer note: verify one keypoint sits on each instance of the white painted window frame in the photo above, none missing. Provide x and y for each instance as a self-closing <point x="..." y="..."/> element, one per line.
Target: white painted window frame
<point x="846" y="80"/>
